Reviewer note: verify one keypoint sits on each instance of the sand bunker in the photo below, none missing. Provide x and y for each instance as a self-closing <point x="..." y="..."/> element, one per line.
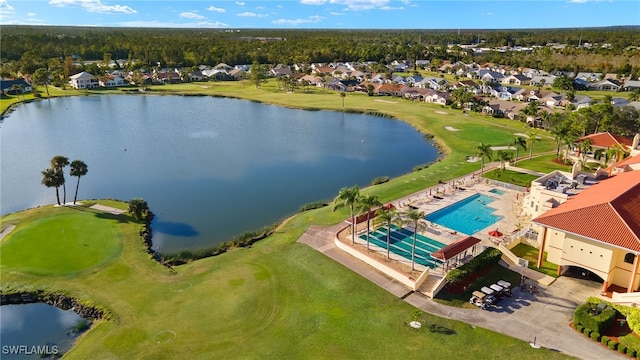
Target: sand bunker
<point x="451" y="128"/>
<point x="473" y="159"/>
<point x="502" y="148"/>
<point x="386" y="101"/>
<point x="441" y="112"/>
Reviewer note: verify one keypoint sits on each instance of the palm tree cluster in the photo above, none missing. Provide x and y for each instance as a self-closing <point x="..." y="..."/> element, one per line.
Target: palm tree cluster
<point x="53" y="176"/>
<point x="350" y="197"/>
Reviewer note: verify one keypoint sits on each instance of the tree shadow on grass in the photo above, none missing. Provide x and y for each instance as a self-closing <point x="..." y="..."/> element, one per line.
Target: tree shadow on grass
<point x="441" y="330"/>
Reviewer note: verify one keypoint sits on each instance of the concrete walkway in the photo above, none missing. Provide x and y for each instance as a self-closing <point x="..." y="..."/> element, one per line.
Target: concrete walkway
<point x="544" y="316"/>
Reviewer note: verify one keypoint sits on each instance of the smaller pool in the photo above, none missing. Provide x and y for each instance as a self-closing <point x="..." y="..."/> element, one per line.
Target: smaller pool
<point x="467" y="216"/>
<point x="497" y="191"/>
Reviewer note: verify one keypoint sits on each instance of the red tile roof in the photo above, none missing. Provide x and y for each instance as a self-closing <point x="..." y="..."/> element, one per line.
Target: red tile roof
<point x="607" y="140"/>
<point x="455" y="248"/>
<point x="608" y="212"/>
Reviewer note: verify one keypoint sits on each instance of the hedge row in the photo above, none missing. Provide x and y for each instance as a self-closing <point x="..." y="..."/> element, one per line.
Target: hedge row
<point x="488" y="257"/>
<point x="584" y="316"/>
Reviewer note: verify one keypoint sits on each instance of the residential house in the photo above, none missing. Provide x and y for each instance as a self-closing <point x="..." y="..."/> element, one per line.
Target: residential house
<point x="423" y="63"/>
<point x="542" y="80"/>
<point x="391" y="89"/>
<point x="596" y="231"/>
<point x="630" y="85"/>
<point x="503" y="108"/>
<point x="442" y="98"/>
<point x="312" y="80"/>
<point x="490" y="76"/>
<point x="15" y="86"/>
<point x="281" y="70"/>
<point x="589" y="77"/>
<point x="238" y="74"/>
<point x="606" y="84"/>
<point x="195" y="75"/>
<point x="469" y="85"/>
<point x="111" y="81"/>
<point x="507" y="92"/>
<point x="518" y="79"/>
<point x="605" y="141"/>
<point x="537" y="95"/>
<point x="167" y="77"/>
<point x="418" y="94"/>
<point x="438" y="84"/>
<point x="83" y="80"/>
<point x="414" y="79"/>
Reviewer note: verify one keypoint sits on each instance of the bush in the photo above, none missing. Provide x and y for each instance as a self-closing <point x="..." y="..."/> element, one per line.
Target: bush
<point x="456" y="275"/>
<point x="604" y="340"/>
<point x="631" y="352"/>
<point x="612" y="345"/>
<point x="601" y="322"/>
<point x="622" y="349"/>
<point x="587" y="332"/>
<point x="420" y="167"/>
<point x="312" y="205"/>
<point x="380" y="180"/>
<point x="580" y="328"/>
<point x="595" y="336"/>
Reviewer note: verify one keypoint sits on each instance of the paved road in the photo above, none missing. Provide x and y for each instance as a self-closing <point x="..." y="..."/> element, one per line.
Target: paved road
<point x="545" y="316"/>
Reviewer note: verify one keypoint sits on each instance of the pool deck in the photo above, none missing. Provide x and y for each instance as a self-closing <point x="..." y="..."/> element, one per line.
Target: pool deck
<point x="506" y="205"/>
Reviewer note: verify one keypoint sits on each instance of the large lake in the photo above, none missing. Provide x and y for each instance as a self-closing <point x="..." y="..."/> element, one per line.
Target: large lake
<point x="209" y="168"/>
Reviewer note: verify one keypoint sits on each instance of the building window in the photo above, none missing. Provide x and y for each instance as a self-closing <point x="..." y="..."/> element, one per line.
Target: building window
<point x="629" y="258"/>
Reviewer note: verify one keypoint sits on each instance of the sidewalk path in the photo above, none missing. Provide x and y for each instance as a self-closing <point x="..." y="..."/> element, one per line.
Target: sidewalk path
<point x="545" y="316"/>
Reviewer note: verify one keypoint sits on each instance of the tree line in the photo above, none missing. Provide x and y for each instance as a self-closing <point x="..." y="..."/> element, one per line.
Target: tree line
<point x="27" y="48"/>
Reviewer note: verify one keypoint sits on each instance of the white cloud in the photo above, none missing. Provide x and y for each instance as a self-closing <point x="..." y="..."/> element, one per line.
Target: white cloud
<point x="31" y="14"/>
<point x="94" y="6"/>
<point x="160" y="24"/>
<point x="578" y="1"/>
<point x="4" y="6"/>
<point x="216" y="9"/>
<point x="390" y="8"/>
<point x="313" y="2"/>
<point x="239" y="3"/>
<point x="336" y="13"/>
<point x="251" y="14"/>
<point x="191" y="15"/>
<point x="358" y="5"/>
<point x="490" y="14"/>
<point x="310" y="20"/>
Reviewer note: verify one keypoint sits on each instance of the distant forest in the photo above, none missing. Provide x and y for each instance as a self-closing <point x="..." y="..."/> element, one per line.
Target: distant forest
<point x="191" y="47"/>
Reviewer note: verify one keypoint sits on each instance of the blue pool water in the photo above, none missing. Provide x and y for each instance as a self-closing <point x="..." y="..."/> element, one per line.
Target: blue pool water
<point x="401" y="242"/>
<point x="467" y="216"/>
<point x="497" y="191"/>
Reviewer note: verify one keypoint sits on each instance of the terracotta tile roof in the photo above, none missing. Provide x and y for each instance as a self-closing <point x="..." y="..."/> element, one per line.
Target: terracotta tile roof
<point x="455" y="248"/>
<point x="608" y="212"/>
<point x="607" y="140"/>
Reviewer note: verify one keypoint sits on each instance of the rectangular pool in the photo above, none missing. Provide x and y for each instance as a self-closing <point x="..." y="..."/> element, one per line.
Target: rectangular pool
<point x="401" y="243"/>
<point x="467" y="216"/>
<point x="497" y="191"/>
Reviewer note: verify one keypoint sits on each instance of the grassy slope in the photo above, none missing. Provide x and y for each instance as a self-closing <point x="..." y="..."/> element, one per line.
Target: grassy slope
<point x="281" y="299"/>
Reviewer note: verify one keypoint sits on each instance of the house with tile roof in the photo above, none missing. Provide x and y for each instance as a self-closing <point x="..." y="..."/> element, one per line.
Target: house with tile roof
<point x="597" y="231"/>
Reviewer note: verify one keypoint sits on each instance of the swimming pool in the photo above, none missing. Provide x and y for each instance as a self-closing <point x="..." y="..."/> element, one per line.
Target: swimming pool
<point x="401" y="242"/>
<point x="497" y="191"/>
<point x="467" y="216"/>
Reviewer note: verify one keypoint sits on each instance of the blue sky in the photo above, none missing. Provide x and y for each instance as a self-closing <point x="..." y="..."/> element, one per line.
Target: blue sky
<point x="331" y="14"/>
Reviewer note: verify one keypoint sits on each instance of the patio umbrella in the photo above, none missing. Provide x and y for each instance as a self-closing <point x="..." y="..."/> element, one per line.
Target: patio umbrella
<point x="495" y="233"/>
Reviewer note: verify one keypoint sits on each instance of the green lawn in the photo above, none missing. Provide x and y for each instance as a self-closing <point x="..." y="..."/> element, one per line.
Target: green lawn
<point x="72" y="240"/>
<point x="278" y="299"/>
<point x="512" y="177"/>
<point x="543" y="164"/>
<point x="491" y="277"/>
<point x="530" y="253"/>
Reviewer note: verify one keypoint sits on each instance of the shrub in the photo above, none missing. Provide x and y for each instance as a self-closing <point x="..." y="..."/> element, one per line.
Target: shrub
<point x="380" y="180"/>
<point x="312" y="205"/>
<point x="583" y="316"/>
<point x="580" y="328"/>
<point x="420" y="167"/>
<point x="631" y="352"/>
<point x="604" y="340"/>
<point x="586" y="332"/>
<point x="456" y="275"/>
<point x="595" y="336"/>
<point x="612" y="345"/>
<point x="622" y="349"/>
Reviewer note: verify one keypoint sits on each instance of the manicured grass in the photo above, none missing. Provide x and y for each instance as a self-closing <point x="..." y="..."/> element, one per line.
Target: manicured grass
<point x="491" y="277"/>
<point x="281" y="299"/>
<point x="543" y="164"/>
<point x="530" y="254"/>
<point x="512" y="177"/>
<point x="67" y="241"/>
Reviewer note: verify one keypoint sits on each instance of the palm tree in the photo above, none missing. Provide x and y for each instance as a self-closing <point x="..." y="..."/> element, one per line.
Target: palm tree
<point x="342" y="95"/>
<point x="518" y="142"/>
<point x="58" y="163"/>
<point x="348" y="197"/>
<point x="138" y="208"/>
<point x="532" y="137"/>
<point x="585" y="147"/>
<point x="503" y="156"/>
<point x="52" y="178"/>
<point x="482" y="151"/>
<point x="41" y="76"/>
<point x="365" y="204"/>
<point x="387" y="217"/>
<point x="79" y="169"/>
<point x="414" y="217"/>
<point x="560" y="132"/>
<point x="617" y="152"/>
